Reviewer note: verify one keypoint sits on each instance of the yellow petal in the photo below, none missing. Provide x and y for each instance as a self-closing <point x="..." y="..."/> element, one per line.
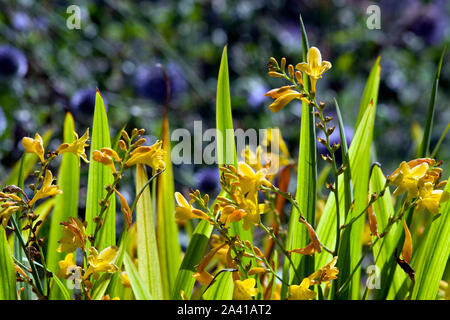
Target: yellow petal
<point x="407" y="245"/>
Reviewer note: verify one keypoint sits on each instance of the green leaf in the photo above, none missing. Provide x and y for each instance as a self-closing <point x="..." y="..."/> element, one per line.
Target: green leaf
<point x="166" y="227"/>
<point x="345" y="161"/>
<point x="383" y="250"/>
<point x="194" y="254"/>
<point x="370" y="91"/>
<point x="306" y="185"/>
<point x="434" y="254"/>
<point x="226" y="149"/>
<point x="100" y="286"/>
<point x="137" y="283"/>
<point x="66" y="203"/>
<point x="148" y="259"/>
<point x="360" y="166"/>
<point x="425" y="145"/>
<point x="222" y="288"/>
<point x="7" y="273"/>
<point x="64" y="293"/>
<point x="351" y="245"/>
<point x="99" y="176"/>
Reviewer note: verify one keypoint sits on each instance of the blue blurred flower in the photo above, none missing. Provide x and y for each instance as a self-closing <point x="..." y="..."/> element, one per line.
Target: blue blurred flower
<point x="83" y="101"/>
<point x="207" y="180"/>
<point x="12" y="62"/>
<point x="21" y="21"/>
<point x="150" y="82"/>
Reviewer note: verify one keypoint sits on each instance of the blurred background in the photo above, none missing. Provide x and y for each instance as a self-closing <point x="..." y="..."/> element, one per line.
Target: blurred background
<point x="47" y="69"/>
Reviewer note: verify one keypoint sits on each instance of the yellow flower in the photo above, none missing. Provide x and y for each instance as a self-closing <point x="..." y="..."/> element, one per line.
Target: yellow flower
<point x="127" y="214"/>
<point x="125" y="280"/>
<point x="253" y="211"/>
<point x="64" y="265"/>
<point x="201" y="275"/>
<point x="407" y="178"/>
<point x="283" y="96"/>
<point x="252" y="159"/>
<point x="407" y="244"/>
<point x="184" y="210"/>
<point x="301" y="292"/>
<point x="108" y="297"/>
<point x="8" y="208"/>
<point x="152" y="156"/>
<point x="431" y="199"/>
<point x="73" y="235"/>
<point x="106" y="156"/>
<point x="326" y="273"/>
<point x="244" y="290"/>
<point x="314" y="67"/>
<point x="76" y="147"/>
<point x="47" y="189"/>
<point x="314" y="246"/>
<point x="102" y="262"/>
<point x="231" y="214"/>
<point x="35" y="146"/>
<point x="251" y="181"/>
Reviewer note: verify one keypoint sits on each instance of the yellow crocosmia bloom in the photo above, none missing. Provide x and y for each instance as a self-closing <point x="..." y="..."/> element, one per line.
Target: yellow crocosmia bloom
<point x="73" y="235"/>
<point x="301" y="292"/>
<point x="201" y="275"/>
<point x="244" y="290"/>
<point x="407" y="244"/>
<point x="282" y="97"/>
<point x="326" y="273"/>
<point x="104" y="158"/>
<point x="125" y="280"/>
<point x="373" y="224"/>
<point x="274" y="140"/>
<point x="314" y="246"/>
<point x="408" y="179"/>
<point x="35" y="146"/>
<point x="102" y="262"/>
<point x="76" y="147"/>
<point x="253" y="211"/>
<point x="314" y="67"/>
<point x="431" y="199"/>
<point x="231" y="214"/>
<point x="64" y="265"/>
<point x="256" y="270"/>
<point x="185" y="211"/>
<point x="127" y="214"/>
<point x="252" y="159"/>
<point x="251" y="181"/>
<point x="108" y="297"/>
<point x="47" y="189"/>
<point x="152" y="156"/>
<point x="8" y="208"/>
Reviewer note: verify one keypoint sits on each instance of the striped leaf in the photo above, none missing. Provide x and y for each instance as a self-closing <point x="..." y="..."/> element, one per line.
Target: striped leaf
<point x="306" y="184"/>
<point x="140" y="290"/>
<point x="425" y="144"/>
<point x="66" y="203"/>
<point x="167" y="229"/>
<point x="226" y="149"/>
<point x="433" y="255"/>
<point x="148" y="259"/>
<point x="99" y="176"/>
<point x="7" y="273"/>
<point x="222" y="287"/>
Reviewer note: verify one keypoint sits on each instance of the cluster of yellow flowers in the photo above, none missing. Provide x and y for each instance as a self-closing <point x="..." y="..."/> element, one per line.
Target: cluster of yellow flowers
<point x="314" y="67"/>
<point x="420" y="178"/>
